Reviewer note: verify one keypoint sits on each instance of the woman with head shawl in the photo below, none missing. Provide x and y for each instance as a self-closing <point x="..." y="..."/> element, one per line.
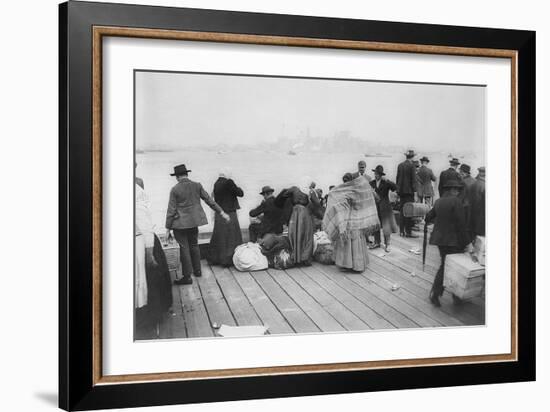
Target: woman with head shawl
<point x="226" y="235"/>
<point x="350" y="217"/>
<point x="294" y="202"/>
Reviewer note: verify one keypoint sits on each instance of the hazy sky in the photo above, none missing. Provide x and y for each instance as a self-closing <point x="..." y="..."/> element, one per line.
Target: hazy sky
<point x="179" y="109"/>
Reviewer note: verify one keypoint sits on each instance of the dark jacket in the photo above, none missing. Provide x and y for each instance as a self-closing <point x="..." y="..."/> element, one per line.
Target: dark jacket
<point x="476" y="198"/>
<point x="226" y="193"/>
<point x="406" y="178"/>
<point x="184" y="206"/>
<point x="288" y="198"/>
<point x="425" y="178"/>
<point x="383" y="204"/>
<point x="445" y="176"/>
<point x="468" y="181"/>
<point x="271" y="221"/>
<point x="450" y="222"/>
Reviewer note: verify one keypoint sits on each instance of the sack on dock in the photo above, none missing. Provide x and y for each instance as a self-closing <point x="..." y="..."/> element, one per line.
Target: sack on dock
<point x="248" y="257"/>
<point x="411" y="209"/>
<point x="281" y="260"/>
<point x="324" y="254"/>
<point x="463" y="277"/>
<point x="320" y="238"/>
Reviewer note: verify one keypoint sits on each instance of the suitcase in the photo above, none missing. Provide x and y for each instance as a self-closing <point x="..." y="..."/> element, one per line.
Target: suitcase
<point x="411" y="209"/>
<point x="463" y="277"/>
<point x="479" y="249"/>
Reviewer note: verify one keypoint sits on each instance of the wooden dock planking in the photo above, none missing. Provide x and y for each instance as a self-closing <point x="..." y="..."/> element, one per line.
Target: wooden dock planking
<point x="173" y="325"/>
<point x="387" y="279"/>
<point x="293" y="314"/>
<point x="400" y="272"/>
<point x="361" y="310"/>
<point x="324" y="321"/>
<point x="214" y="300"/>
<point x="402" y="301"/>
<point x="343" y="315"/>
<point x="319" y="298"/>
<point x="238" y="303"/>
<point x="194" y="311"/>
<point x="374" y="300"/>
<point x="264" y="307"/>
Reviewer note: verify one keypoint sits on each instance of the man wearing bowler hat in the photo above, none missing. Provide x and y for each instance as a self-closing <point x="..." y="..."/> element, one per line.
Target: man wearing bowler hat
<point x="406" y="187"/>
<point x="183" y="217"/>
<point x="450" y="174"/>
<point x="270" y="216"/>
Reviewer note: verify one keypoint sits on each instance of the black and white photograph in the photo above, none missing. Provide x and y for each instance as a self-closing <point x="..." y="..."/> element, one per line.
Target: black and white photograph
<point x="271" y="205"/>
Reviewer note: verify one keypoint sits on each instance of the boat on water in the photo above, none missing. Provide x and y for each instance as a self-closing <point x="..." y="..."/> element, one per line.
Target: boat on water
<point x="377" y="155"/>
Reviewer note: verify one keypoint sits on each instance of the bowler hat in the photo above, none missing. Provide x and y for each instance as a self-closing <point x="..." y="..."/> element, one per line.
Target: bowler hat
<point x="180" y="170"/>
<point x="481" y="169"/>
<point x="465" y="168"/>
<point x="454" y="161"/>
<point x="379" y="169"/>
<point x="452" y="183"/>
<point x="410" y="153"/>
<point x="267" y="189"/>
<point x="425" y="159"/>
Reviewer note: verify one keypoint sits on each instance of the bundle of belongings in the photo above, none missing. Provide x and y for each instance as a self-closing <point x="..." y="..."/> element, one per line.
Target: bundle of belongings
<point x="323" y="251"/>
<point x="276" y="249"/>
<point x="248" y="257"/>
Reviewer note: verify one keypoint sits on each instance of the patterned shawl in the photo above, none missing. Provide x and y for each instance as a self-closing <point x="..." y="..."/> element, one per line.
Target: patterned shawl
<point x="351" y="207"/>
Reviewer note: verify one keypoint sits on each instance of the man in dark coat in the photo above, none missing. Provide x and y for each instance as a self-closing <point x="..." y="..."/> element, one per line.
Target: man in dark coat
<point x="476" y="198"/>
<point x="271" y="221"/>
<point x="450" y="174"/>
<point x="183" y="216"/>
<point x="406" y="186"/>
<point x="382" y="187"/>
<point x="450" y="233"/>
<point x="425" y="178"/>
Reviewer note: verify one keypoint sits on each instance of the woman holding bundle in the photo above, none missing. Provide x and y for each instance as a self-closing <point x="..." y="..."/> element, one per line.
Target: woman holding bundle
<point x="227" y="234"/>
<point x="350" y="217"/>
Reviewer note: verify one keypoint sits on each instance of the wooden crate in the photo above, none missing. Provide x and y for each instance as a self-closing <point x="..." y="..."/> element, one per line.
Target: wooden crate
<point x="463" y="277"/>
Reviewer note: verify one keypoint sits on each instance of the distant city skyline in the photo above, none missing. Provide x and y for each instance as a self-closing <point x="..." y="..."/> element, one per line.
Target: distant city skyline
<point x="175" y="111"/>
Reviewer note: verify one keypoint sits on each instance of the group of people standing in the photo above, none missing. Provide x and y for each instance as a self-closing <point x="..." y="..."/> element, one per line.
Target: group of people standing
<point x="350" y="213"/>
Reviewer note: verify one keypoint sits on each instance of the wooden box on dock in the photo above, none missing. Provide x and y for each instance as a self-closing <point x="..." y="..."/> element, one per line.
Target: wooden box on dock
<point x="463" y="277"/>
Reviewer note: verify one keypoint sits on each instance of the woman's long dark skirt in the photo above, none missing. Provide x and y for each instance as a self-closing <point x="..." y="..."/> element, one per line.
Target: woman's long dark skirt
<point x="225" y="238"/>
<point x="159" y="295"/>
<point x="300" y="233"/>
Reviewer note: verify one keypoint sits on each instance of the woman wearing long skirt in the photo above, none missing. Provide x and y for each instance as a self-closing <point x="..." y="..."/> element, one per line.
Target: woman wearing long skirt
<point x="350" y="217"/>
<point x="226" y="235"/>
<point x="297" y="216"/>
<point x="153" y="287"/>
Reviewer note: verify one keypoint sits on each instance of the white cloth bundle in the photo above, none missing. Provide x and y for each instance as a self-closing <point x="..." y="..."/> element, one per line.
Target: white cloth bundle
<point x="249" y="257"/>
<point x="320" y="238"/>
